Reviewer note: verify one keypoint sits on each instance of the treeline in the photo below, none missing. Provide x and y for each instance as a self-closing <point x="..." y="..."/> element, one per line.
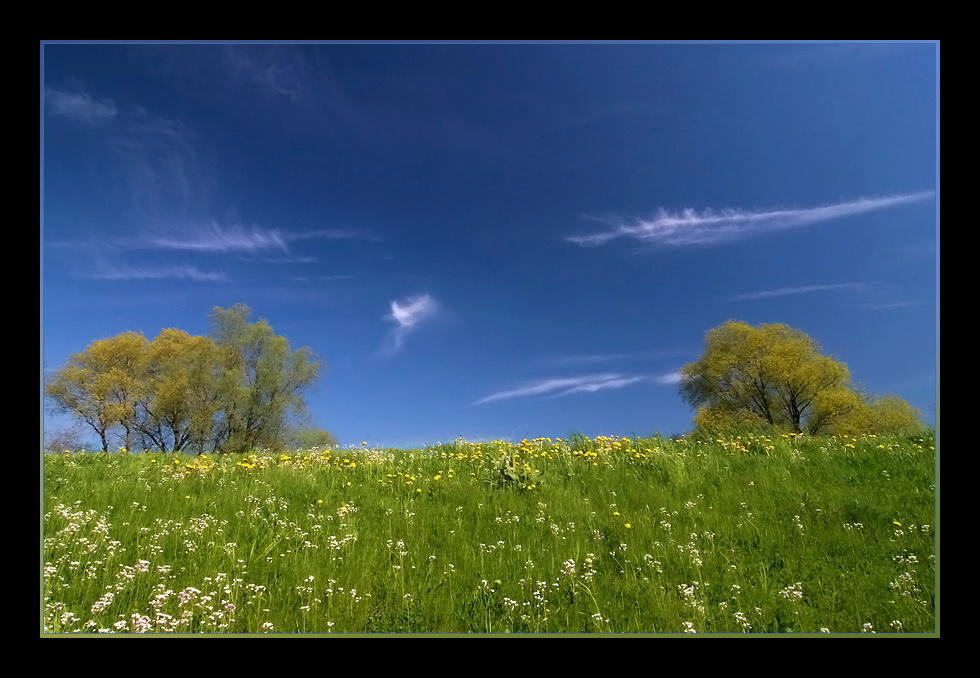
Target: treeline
<point x="237" y="390"/>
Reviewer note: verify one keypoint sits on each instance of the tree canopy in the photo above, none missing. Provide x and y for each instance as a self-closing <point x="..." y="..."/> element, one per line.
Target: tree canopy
<point x="240" y="389"/>
<point x="776" y="377"/>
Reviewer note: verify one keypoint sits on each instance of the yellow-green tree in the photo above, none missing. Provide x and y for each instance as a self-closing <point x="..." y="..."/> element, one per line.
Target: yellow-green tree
<point x="776" y="377"/>
<point x="884" y="414"/>
<point x="102" y="387"/>
<point x="182" y="397"/>
<point x="263" y="381"/>
<point x="305" y="437"/>
<point x="240" y="389"/>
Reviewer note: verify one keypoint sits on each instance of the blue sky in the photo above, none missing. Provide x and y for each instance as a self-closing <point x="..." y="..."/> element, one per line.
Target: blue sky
<point x="497" y="241"/>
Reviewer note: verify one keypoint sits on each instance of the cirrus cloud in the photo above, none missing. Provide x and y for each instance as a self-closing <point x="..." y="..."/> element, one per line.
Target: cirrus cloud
<point x="157" y="273"/>
<point x="78" y="106"/>
<point x="565" y="386"/>
<point x="690" y="227"/>
<point x="790" y="291"/>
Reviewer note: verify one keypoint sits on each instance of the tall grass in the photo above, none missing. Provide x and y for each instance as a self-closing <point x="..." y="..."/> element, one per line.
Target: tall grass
<point x="741" y="534"/>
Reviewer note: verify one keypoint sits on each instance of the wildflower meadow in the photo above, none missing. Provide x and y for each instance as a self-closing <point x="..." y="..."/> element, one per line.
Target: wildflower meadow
<point x="736" y="534"/>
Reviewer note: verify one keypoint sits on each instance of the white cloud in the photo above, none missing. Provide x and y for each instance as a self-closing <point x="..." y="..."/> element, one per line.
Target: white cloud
<point x="218" y="238"/>
<point x="670" y="379"/>
<point x="78" y="106"/>
<point x="157" y="273"/>
<point x="412" y="310"/>
<point x="152" y="167"/>
<point x="565" y="386"/>
<point x="407" y="314"/>
<point x="283" y="70"/>
<point x="788" y="291"/>
<point x="231" y="238"/>
<point x="332" y="234"/>
<point x="897" y="304"/>
<point x="593" y="359"/>
<point x="690" y="227"/>
<point x="145" y="160"/>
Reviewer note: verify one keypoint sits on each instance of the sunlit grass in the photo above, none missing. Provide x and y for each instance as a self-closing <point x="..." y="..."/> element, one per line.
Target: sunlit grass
<point x="732" y="534"/>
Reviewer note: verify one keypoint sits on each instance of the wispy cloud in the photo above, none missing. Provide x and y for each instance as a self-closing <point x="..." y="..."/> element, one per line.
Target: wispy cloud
<point x="690" y="227"/>
<point x="213" y="237"/>
<point x="407" y="314"/>
<point x="152" y="166"/>
<point x="282" y="70"/>
<point x="145" y="160"/>
<point x="332" y="234"/>
<point x="321" y="278"/>
<point x="78" y="106"/>
<point x="789" y="291"/>
<point x="669" y="379"/>
<point x="872" y="295"/>
<point x="592" y="359"/>
<point x="565" y="386"/>
<point x="218" y="238"/>
<point x="157" y="273"/>
<point x="896" y="304"/>
<point x="848" y="54"/>
<point x="232" y="238"/>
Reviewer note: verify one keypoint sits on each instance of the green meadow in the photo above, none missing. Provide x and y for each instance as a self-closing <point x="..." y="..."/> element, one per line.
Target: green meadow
<point x="740" y="534"/>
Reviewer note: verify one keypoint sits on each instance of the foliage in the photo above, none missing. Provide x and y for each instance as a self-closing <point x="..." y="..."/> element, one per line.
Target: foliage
<point x="182" y="395"/>
<point x="263" y="381"/>
<point x="102" y="385"/>
<point x="886" y="414"/>
<point x="774" y="377"/>
<point x="511" y="471"/>
<point x="305" y="437"/>
<point x="65" y="439"/>
<point x="236" y="390"/>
